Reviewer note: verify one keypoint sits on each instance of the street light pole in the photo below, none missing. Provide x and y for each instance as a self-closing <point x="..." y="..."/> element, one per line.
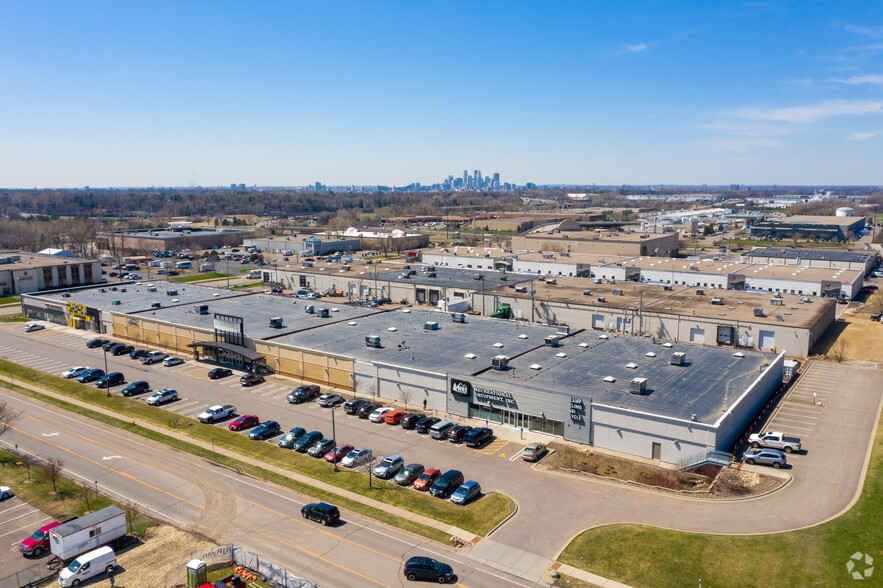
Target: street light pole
<point x="334" y="434"/>
<point x="105" y="372"/>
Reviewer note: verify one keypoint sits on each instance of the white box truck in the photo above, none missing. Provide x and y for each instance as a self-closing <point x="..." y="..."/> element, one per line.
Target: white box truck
<point x="184" y="265"/>
<point x="453" y="305"/>
<point x="85" y="533"/>
<point x="253" y="275"/>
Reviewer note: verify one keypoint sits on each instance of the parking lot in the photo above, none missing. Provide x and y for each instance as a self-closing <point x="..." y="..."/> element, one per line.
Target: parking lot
<point x="18" y="520"/>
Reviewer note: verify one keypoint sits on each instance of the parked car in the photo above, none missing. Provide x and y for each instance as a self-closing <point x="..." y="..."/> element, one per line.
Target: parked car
<point x="321" y="448"/>
<point x="353" y="405"/>
<point x="38" y="542"/>
<point x="426" y="423"/>
<point x="533" y="452"/>
<point x="440" y="429"/>
<point x="325" y="514"/>
<point x="389" y="466"/>
<point x="170" y="361"/>
<point x="154" y="357"/>
<point x="75" y="372"/>
<point x="328" y="400"/>
<point x="465" y="492"/>
<point x="288" y="439"/>
<point x="356" y="457"/>
<point x="338" y="453"/>
<point x="5" y="492"/>
<point x="243" y="422"/>
<point x="446" y="483"/>
<point x="303" y="394"/>
<point x="91" y="376"/>
<point x="456" y="434"/>
<point x="426" y="568"/>
<point x="377" y="415"/>
<point x="251" y="379"/>
<point x="394" y="417"/>
<point x="264" y="430"/>
<point x="303" y="444"/>
<point x="139" y="387"/>
<point x="219" y="373"/>
<point x="122" y="350"/>
<point x="139" y="353"/>
<point x="96" y="343"/>
<point x="478" y="436"/>
<point x="162" y="396"/>
<point x="409" y="421"/>
<point x="408" y="474"/>
<point x="111" y="379"/>
<point x="365" y="410"/>
<point x="772" y="457"/>
<point x="877" y="317"/>
<point x="427" y="479"/>
<point x="34" y="327"/>
<point x="109" y="345"/>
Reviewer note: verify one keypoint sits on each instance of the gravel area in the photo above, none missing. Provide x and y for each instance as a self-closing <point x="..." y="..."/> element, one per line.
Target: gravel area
<point x="160" y="560"/>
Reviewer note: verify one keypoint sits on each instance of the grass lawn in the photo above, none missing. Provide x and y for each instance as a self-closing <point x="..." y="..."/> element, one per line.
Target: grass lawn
<point x="14" y="318"/>
<point x="9" y="300"/>
<point x="645" y="556"/>
<point x="478" y="518"/>
<point x="200" y="277"/>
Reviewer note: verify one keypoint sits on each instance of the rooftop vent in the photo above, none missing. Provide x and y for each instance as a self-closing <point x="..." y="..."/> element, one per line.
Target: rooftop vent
<point x="372" y="341"/>
<point x="276" y="322"/>
<point x="458" y="317"/>
<point x="638" y="386"/>
<point x="561" y="354"/>
<point x="587" y="292"/>
<point x="500" y="363"/>
<point x="200" y="308"/>
<point x="678" y="358"/>
<point x="430" y="326"/>
<point x="631" y="365"/>
<point x="392" y="329"/>
<point x="609" y="379"/>
<point x="498" y="345"/>
<point x="616" y="292"/>
<point x="309" y="309"/>
<point x="583" y="344"/>
<point x="738" y="354"/>
<point x="758" y="311"/>
<point x="603" y="337"/>
<point x="171" y="293"/>
<point x="470" y="356"/>
<point x="536" y="366"/>
<point x="667" y="344"/>
<point x="649" y="354"/>
<point x="522" y="336"/>
<point x="352" y="323"/>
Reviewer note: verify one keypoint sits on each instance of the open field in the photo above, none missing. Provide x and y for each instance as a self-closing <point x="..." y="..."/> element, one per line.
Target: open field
<point x="857" y="337"/>
<point x="646" y="556"/>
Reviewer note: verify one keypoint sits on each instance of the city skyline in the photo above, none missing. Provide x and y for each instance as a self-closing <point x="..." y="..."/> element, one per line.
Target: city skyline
<point x="290" y="93"/>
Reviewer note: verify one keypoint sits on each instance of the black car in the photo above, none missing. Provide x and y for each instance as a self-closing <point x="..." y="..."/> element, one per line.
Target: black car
<point x="446" y="483"/>
<point x="219" y="373"/>
<point x="408" y="474"/>
<point x="110" y="345"/>
<point x="111" y="379"/>
<point x="250" y="379"/>
<point x="409" y="421"/>
<point x="139" y="353"/>
<point x="456" y="434"/>
<point x="139" y="387"/>
<point x="364" y="411"/>
<point x="307" y="441"/>
<point x="353" y="405"/>
<point x="425" y="423"/>
<point x="326" y="514"/>
<point x="289" y="438"/>
<point x="478" y="436"/>
<point x="91" y="376"/>
<point x="122" y="349"/>
<point x="302" y="394"/>
<point x="426" y="568"/>
<point x="96" y="343"/>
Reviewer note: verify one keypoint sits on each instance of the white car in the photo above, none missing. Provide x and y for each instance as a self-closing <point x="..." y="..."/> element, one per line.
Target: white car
<point x="75" y="372"/>
<point x="170" y="361"/>
<point x="34" y="327"/>
<point x="162" y="396"/>
<point x="356" y="457"/>
<point x="377" y="415"/>
<point x="5" y="492"/>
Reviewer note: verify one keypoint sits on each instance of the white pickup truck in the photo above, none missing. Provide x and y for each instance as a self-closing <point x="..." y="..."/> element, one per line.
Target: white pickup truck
<point x="217" y="412"/>
<point x="775" y="440"/>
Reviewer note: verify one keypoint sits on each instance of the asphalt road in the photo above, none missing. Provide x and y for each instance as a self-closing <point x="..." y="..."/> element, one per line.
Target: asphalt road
<point x="552" y="508"/>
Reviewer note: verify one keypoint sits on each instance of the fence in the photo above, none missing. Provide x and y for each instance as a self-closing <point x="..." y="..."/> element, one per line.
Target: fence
<point x="273" y="574"/>
<point x="30" y="577"/>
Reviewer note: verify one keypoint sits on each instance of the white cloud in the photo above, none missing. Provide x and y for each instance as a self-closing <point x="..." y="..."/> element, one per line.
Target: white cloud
<point x="809" y="113"/>
<point x="634" y="48"/>
<point x="741" y="144"/>
<point x="862" y="136"/>
<point x="863" y="79"/>
<point x="874" y="32"/>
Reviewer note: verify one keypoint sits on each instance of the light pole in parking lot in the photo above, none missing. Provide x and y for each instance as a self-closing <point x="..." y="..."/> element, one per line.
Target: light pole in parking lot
<point x="334" y="436"/>
<point x="105" y="369"/>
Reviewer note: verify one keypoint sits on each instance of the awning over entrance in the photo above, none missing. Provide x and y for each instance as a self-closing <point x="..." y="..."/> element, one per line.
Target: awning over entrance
<point x="246" y="353"/>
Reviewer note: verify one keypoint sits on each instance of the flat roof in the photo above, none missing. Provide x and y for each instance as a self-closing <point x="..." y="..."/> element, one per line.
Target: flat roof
<point x="166" y="233"/>
<point x="802" y="273"/>
<point x="674" y="264"/>
<point x="810" y="220"/>
<point x="706" y="386"/>
<point x="31" y="260"/>
<point x="591" y="259"/>
<point x="134" y="296"/>
<point x="811" y="254"/>
<point x="620" y="236"/>
<point x="440" y="351"/>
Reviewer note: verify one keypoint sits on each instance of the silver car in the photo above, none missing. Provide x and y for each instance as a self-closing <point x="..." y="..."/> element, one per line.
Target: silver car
<point x="389" y="467"/>
<point x="772" y="457"/>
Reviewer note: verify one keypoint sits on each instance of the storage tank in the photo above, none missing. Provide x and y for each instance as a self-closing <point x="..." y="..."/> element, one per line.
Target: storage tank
<point x="845" y="211"/>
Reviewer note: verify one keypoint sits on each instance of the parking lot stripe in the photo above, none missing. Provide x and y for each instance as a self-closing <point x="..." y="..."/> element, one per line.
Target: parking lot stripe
<point x="793" y="427"/>
<point x="13" y="508"/>
<point x="31" y="526"/>
<point x="793" y="420"/>
<point x="800" y="415"/>
<point x="21" y="516"/>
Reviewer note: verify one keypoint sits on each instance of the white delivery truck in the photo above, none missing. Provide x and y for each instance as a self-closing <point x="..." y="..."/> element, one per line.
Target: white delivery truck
<point x="207" y="267"/>
<point x="82" y="534"/>
<point x="453" y="305"/>
<point x="253" y="275"/>
<point x="184" y="265"/>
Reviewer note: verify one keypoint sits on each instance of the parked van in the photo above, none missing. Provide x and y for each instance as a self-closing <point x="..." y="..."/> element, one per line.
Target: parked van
<point x="207" y="267"/>
<point x="440" y="429"/>
<point x="100" y="561"/>
<point x="287" y="252"/>
<point x="253" y="274"/>
<point x="184" y="265"/>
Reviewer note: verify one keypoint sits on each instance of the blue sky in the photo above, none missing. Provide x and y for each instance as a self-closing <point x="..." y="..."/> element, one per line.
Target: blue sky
<point x="288" y="93"/>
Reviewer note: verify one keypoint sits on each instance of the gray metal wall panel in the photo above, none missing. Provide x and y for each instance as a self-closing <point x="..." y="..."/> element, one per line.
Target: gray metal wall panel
<point x="741" y="414"/>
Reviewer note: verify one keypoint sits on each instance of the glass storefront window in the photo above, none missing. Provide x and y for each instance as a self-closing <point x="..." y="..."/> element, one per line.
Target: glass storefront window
<point x="488" y="413"/>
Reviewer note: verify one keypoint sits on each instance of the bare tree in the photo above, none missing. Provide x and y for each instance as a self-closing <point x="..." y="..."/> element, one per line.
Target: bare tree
<point x="85" y="492"/>
<point x="132" y="512"/>
<point x="838" y="350"/>
<point x="368" y="467"/>
<point x="875" y="303"/>
<point x="406" y="394"/>
<point x="7" y="416"/>
<point x="372" y="390"/>
<point x="52" y="469"/>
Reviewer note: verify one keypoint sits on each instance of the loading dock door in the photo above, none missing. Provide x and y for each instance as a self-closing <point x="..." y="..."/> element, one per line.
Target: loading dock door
<point x="697" y="335"/>
<point x="725" y="335"/>
<point x="597" y="321"/>
<point x="622" y="323"/>
<point x="767" y="340"/>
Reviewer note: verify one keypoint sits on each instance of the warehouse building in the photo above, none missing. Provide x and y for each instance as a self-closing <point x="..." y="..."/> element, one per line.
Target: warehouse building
<point x="811" y="228"/>
<point x="566" y="237"/>
<point x="25" y="272"/>
<point x="309" y="245"/>
<point x="863" y="261"/>
<point x="176" y="236"/>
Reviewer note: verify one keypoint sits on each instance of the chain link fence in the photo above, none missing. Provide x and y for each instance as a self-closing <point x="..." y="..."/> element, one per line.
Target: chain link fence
<point x="224" y="555"/>
<point x="35" y="575"/>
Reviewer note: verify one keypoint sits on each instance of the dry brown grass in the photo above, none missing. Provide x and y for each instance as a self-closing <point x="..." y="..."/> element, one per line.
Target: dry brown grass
<point x="857" y="336"/>
<point x="165" y="549"/>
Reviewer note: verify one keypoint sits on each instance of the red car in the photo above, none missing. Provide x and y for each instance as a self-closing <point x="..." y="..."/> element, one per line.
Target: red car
<point x="338" y="453"/>
<point x="244" y="422"/>
<point x="38" y="542"/>
<point x="426" y="479"/>
<point x="394" y="417"/>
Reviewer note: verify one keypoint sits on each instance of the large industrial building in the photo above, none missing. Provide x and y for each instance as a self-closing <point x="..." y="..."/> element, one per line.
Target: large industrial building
<point x="662" y="400"/>
<point x="863" y="261"/>
<point x="176" y="236"/>
<point x="812" y="228"/>
<point x="305" y="245"/>
<point x="26" y="272"/>
<point x="566" y="237"/>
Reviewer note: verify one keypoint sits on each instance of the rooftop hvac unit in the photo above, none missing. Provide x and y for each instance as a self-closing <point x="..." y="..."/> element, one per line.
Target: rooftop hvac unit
<point x="700" y="292"/>
<point x="458" y="317"/>
<point x="758" y="311"/>
<point x="171" y="292"/>
<point x="717" y="300"/>
<point x="587" y="292"/>
<point x="430" y="326"/>
<point x="500" y="363"/>
<point x="666" y="287"/>
<point x="151" y="289"/>
<point x="478" y="277"/>
<point x="551" y="281"/>
<point x="115" y="302"/>
<point x="155" y="305"/>
<point x="678" y="358"/>
<point x="552" y="340"/>
<point x="521" y="289"/>
<point x="323" y="313"/>
<point x="309" y="309"/>
<point x="276" y="322"/>
<point x="430" y="274"/>
<point x="201" y="309"/>
<point x="602" y="299"/>
<point x="372" y="341"/>
<point x="616" y="292"/>
<point x="638" y="386"/>
<point x="806" y="299"/>
<point x="563" y="330"/>
<point x="344" y="268"/>
<point x="776" y="301"/>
